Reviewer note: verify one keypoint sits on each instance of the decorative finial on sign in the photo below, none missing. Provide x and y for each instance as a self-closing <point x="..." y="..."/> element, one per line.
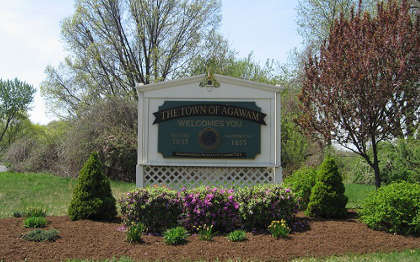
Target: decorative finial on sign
<point x="209" y="80"/>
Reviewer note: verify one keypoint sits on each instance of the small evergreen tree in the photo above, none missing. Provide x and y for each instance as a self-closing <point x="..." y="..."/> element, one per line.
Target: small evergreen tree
<point x="92" y="197"/>
<point x="327" y="196"/>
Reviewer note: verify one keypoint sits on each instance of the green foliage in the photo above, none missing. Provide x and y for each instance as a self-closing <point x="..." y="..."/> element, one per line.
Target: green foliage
<point x="301" y="183"/>
<point x="237" y="236"/>
<point x="135" y="232"/>
<point x="175" y="236"/>
<point x="35" y="222"/>
<point x="39" y="235"/>
<point x="327" y="196"/>
<point x="398" y="161"/>
<point x="15" y="98"/>
<point x="205" y="232"/>
<point x="92" y="197"/>
<point x="17" y="214"/>
<point x="149" y="206"/>
<point x="394" y="208"/>
<point x="279" y="229"/>
<point x="35" y="212"/>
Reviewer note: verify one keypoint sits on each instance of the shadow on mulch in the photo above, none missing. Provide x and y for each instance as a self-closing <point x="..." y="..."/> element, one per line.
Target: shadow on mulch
<point x="102" y="240"/>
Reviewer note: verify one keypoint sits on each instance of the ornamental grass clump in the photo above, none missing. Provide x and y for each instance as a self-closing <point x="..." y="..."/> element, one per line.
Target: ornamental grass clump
<point x="35" y="222"/>
<point x="279" y="229"/>
<point x="394" y="208"/>
<point x="261" y="204"/>
<point x="158" y="208"/>
<point x="175" y="236"/>
<point x="209" y="206"/>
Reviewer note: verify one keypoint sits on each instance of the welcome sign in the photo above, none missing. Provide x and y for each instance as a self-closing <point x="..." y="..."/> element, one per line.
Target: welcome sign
<point x="207" y="129"/>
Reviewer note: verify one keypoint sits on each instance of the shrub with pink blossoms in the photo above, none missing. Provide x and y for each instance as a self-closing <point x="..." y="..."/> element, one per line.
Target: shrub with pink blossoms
<point x="209" y="206"/>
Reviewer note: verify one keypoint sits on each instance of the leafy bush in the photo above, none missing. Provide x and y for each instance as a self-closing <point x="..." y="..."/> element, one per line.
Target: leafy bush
<point x="149" y="206"/>
<point x="175" y="236"/>
<point x="394" y="208"/>
<point x="39" y="235"/>
<point x="237" y="235"/>
<point x="210" y="206"/>
<point x="92" y="197"/>
<point x="279" y="229"/>
<point x="35" y="222"/>
<point x="301" y="183"/>
<point x="135" y="232"/>
<point x="261" y="204"/>
<point x="35" y="212"/>
<point x="327" y="196"/>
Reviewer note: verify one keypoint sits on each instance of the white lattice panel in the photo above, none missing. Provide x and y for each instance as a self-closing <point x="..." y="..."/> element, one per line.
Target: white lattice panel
<point x="177" y="177"/>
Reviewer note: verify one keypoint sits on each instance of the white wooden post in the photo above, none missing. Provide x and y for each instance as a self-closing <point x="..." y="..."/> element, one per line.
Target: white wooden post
<point x="140" y="146"/>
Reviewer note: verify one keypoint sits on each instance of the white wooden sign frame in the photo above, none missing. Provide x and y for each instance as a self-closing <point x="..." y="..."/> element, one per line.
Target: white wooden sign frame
<point x="152" y="168"/>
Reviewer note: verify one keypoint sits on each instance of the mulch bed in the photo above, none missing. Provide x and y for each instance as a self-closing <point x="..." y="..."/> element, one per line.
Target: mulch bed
<point x="100" y="240"/>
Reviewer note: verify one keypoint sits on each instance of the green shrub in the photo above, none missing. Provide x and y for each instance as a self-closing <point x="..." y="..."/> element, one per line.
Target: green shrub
<point x="17" y="214"/>
<point x="394" y="208"/>
<point x="35" y="222"/>
<point x="175" y="236"/>
<point x="149" y="206"/>
<point x="301" y="183"/>
<point x="35" y="212"/>
<point x="92" y="197"/>
<point x="327" y="196"/>
<point x="39" y="235"/>
<point x="135" y="232"/>
<point x="261" y="204"/>
<point x="237" y="235"/>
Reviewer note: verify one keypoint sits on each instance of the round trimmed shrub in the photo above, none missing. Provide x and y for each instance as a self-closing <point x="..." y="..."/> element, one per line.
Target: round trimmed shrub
<point x="394" y="208"/>
<point x="327" y="198"/>
<point x="92" y="197"/>
<point x="301" y="183"/>
<point x="157" y="208"/>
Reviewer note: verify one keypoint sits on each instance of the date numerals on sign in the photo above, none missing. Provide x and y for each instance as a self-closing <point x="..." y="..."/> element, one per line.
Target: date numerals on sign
<point x="239" y="142"/>
<point x="180" y="141"/>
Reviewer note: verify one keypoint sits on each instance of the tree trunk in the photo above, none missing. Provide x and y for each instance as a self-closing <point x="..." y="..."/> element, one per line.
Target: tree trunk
<point x="376" y="163"/>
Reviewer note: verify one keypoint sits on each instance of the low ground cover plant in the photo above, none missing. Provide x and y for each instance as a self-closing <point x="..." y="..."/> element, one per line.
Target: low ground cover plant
<point x="35" y="222"/>
<point x="237" y="236"/>
<point x="30" y="212"/>
<point x="175" y="236"/>
<point x="135" y="232"/>
<point x="39" y="235"/>
<point x="394" y="208"/>
<point x="279" y="229"/>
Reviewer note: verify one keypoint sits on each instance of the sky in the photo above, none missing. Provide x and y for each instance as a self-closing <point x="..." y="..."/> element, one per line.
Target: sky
<point x="30" y="37"/>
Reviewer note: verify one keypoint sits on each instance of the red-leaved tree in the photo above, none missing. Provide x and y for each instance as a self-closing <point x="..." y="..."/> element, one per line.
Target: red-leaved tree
<point x="363" y="86"/>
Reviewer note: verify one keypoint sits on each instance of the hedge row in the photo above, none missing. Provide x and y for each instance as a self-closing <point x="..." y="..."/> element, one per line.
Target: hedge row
<point x="252" y="208"/>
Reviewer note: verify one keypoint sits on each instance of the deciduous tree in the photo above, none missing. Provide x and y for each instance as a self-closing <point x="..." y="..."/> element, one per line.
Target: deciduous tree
<point x="363" y="86"/>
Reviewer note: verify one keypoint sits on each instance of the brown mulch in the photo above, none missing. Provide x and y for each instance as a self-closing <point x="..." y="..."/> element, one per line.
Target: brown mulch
<point x="100" y="240"/>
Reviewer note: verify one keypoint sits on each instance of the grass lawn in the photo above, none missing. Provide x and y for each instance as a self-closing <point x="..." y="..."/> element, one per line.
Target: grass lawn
<point x="19" y="191"/>
<point x="357" y="193"/>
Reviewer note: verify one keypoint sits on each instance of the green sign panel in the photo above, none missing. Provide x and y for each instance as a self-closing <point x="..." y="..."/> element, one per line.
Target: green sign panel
<point x="204" y="129"/>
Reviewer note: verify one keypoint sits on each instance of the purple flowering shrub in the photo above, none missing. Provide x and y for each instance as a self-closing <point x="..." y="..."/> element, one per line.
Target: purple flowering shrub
<point x="157" y="208"/>
<point x="259" y="205"/>
<point x="209" y="206"/>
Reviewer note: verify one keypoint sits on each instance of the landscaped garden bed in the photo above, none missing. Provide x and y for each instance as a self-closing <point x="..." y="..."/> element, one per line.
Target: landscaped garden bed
<point x="100" y="240"/>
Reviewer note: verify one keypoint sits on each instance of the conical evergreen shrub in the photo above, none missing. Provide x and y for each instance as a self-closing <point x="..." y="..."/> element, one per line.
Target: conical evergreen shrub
<point x="92" y="197"/>
<point x="327" y="198"/>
